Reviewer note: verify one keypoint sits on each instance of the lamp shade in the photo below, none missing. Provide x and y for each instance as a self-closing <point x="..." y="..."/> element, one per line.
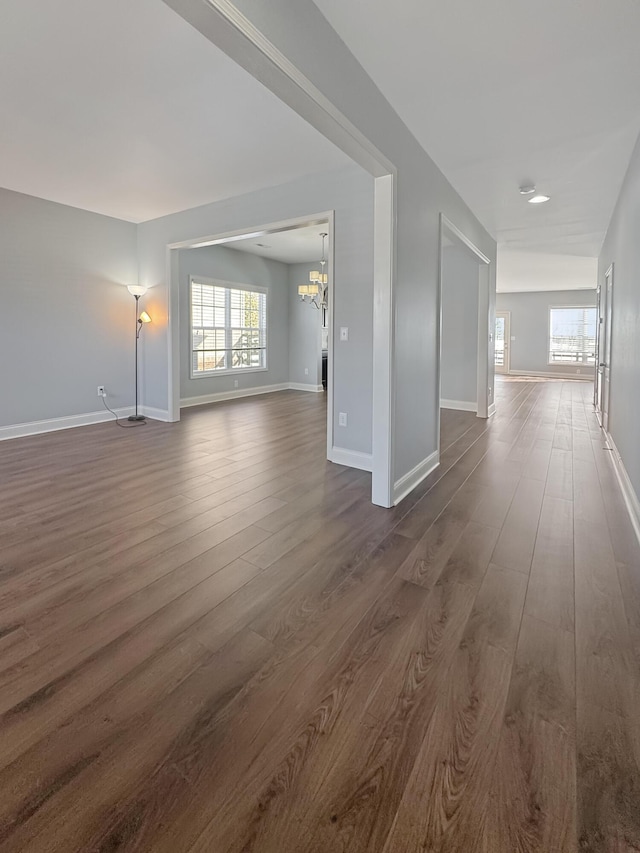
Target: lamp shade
<point x="303" y="290"/>
<point x="136" y="289"/>
<point x="144" y="317"/>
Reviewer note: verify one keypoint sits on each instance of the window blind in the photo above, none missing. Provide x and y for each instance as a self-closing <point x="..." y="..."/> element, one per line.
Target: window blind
<point x="228" y="328"/>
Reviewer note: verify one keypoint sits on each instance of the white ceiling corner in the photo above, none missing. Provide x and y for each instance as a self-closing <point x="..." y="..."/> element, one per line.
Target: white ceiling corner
<point x="124" y="109"/>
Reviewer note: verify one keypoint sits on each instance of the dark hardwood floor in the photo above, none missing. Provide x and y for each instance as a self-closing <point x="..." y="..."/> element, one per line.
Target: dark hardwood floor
<point x="210" y="640"/>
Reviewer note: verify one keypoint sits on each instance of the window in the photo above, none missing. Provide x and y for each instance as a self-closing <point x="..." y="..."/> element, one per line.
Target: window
<point x="572" y="335"/>
<point x="228" y="328"/>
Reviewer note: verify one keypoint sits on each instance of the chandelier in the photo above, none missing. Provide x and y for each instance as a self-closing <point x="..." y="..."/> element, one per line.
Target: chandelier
<point x="316" y="291"/>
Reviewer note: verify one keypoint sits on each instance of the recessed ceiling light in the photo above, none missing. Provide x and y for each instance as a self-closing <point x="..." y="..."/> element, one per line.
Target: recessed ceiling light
<point x="527" y="190"/>
<point x="538" y="199"/>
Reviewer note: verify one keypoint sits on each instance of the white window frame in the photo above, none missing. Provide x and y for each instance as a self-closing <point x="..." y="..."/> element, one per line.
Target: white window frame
<point x="579" y="364"/>
<point x="228" y="285"/>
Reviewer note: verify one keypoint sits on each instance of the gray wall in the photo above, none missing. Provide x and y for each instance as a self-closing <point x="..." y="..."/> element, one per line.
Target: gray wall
<point x="67" y="323"/>
<point x="530" y="327"/>
<point x="460" y="289"/>
<point x="622" y="248"/>
<point x="349" y="193"/>
<point x="305" y="331"/>
<point x="228" y="265"/>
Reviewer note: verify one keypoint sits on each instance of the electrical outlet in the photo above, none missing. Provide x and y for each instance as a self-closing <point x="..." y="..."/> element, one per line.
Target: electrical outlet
<point x="101" y="391"/>
<point x="235" y="383"/>
<point x="306" y="371"/>
<point x="344" y="333"/>
<point x="342" y="419"/>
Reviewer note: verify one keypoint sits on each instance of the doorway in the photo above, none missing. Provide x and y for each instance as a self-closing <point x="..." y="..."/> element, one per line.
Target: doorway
<point x="466" y="328"/>
<point x="603" y="349"/>
<point x="502" y="352"/>
<point x="273" y="264"/>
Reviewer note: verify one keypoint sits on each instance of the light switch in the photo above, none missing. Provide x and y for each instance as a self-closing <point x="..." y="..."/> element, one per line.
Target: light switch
<point x="344" y="333"/>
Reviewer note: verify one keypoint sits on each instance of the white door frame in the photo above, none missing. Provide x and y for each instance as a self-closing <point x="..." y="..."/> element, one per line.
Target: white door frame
<point x="486" y="321"/>
<point x="506" y="366"/>
<point x="231" y="31"/>
<point x="605" y="364"/>
<point x="598" y="375"/>
<point x="173" y="320"/>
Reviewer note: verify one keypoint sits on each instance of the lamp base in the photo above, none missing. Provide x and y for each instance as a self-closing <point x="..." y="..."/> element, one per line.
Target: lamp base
<point x="136" y="418"/>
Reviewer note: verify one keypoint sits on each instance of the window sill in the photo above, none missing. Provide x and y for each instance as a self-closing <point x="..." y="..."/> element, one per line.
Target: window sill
<point x="576" y="365"/>
<point x="234" y="371"/>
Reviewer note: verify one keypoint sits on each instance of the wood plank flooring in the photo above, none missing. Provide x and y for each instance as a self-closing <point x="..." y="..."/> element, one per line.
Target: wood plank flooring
<point x="211" y="641"/>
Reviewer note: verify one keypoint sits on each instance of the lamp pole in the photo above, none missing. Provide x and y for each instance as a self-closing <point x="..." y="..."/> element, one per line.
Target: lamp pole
<point x="137" y="417"/>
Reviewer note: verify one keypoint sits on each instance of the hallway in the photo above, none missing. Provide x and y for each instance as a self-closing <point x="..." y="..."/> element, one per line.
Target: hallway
<point x="211" y="641"/>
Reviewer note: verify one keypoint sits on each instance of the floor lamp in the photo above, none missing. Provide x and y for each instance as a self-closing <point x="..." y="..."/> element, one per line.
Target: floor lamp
<point x="138" y="290"/>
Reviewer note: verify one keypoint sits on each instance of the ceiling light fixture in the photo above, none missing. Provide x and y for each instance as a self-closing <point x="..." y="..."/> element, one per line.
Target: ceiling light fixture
<point x="317" y="290"/>
<point x="538" y="199"/>
<point x="534" y="197"/>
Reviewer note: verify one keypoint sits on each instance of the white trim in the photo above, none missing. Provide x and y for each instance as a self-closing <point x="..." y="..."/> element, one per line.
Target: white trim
<point x="414" y="477"/>
<point x="73" y="421"/>
<point x="464" y="239"/>
<point x="459" y="405"/>
<point x="583" y="377"/>
<point x="204" y="399"/>
<point x="351" y="458"/>
<point x="608" y="350"/>
<point x="492" y="410"/>
<point x="383" y="404"/>
<point x="486" y="334"/>
<point x="506" y="359"/>
<point x="155" y="414"/>
<point x="55" y="424"/>
<point x="626" y="486"/>
<point x="213" y="18"/>
<point x="301" y="386"/>
<point x="331" y="296"/>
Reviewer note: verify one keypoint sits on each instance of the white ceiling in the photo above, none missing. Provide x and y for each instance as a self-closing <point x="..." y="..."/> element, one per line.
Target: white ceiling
<point x="124" y="109"/>
<point x="297" y="246"/>
<point x="504" y="93"/>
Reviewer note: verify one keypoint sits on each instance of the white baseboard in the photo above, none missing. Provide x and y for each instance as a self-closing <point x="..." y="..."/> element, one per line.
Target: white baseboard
<point x="459" y="405"/>
<point x="203" y="399"/>
<point x="88" y="418"/>
<point x="54" y="424"/>
<point x="628" y="492"/>
<point x="351" y="458"/>
<point x="492" y="410"/>
<point x="155" y="414"/>
<point x="409" y="481"/>
<point x="550" y="375"/>
<point x="299" y="386"/>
